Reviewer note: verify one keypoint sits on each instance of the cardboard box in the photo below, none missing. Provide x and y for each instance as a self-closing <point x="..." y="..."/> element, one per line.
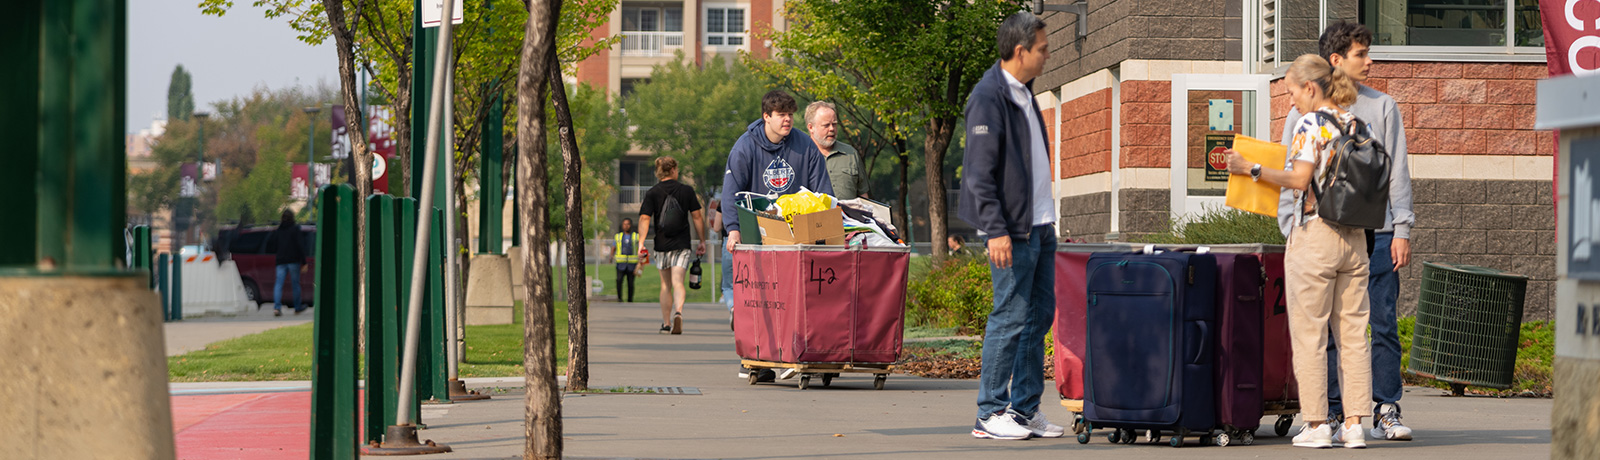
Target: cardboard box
<point x="823" y="227"/>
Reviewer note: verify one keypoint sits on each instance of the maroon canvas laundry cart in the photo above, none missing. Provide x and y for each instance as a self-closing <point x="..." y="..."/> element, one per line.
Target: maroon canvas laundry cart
<point x="821" y="310"/>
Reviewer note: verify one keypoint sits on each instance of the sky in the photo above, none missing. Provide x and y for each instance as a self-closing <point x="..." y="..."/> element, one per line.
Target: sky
<point x="227" y="56"/>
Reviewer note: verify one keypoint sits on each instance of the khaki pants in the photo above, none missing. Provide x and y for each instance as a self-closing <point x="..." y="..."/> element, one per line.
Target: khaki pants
<point x="1325" y="269"/>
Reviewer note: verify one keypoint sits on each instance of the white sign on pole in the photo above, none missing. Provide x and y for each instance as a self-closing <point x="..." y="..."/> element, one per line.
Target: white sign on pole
<point x="432" y="10"/>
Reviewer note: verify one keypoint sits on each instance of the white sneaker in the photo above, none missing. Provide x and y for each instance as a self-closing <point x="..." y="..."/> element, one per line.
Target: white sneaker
<point x="1001" y="426"/>
<point x="1040" y="426"/>
<point x="1320" y="437"/>
<point x="1387" y="424"/>
<point x="1352" y="436"/>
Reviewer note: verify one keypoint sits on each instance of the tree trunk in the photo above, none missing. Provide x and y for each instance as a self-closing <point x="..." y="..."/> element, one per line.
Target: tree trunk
<point x="400" y="171"/>
<point x="577" y="284"/>
<point x="898" y="209"/>
<point x="938" y="140"/>
<point x="464" y="259"/>
<point x="543" y="405"/>
<point x="344" y="44"/>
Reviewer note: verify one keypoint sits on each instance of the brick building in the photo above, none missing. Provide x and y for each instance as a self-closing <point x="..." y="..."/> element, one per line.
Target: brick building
<point x="1481" y="174"/>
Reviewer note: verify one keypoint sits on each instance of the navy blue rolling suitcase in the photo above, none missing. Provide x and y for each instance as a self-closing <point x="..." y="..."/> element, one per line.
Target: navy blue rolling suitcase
<point x="1150" y="346"/>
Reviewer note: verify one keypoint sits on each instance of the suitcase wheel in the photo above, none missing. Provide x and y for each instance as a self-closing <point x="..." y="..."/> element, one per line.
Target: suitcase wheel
<point x="1083" y="437"/>
<point x="1281" y="427"/>
<point x="1247" y="438"/>
<point x="1115" y="436"/>
<point x="1222" y="439"/>
<point x="1152" y="436"/>
<point x="1176" y="441"/>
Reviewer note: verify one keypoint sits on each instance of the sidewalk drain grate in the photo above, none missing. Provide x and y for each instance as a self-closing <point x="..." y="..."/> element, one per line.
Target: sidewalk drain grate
<point x="646" y="390"/>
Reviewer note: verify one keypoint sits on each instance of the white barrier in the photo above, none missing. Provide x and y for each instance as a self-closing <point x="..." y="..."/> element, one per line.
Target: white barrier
<point x="212" y="287"/>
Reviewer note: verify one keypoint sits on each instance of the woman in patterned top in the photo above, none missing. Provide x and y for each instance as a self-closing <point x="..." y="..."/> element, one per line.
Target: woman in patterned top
<point x="1325" y="266"/>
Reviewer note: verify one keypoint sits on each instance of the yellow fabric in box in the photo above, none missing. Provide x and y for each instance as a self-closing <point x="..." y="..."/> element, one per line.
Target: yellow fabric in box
<point x="1260" y="197"/>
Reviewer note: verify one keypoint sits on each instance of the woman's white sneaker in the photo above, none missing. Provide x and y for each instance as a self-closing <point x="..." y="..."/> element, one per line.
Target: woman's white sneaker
<point x="1320" y="437"/>
<point x="1352" y="436"/>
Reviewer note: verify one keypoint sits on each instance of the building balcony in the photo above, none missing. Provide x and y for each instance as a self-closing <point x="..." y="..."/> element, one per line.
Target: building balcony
<point x="636" y="43"/>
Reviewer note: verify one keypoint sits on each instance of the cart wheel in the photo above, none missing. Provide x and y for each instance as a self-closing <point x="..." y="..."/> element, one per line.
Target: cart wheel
<point x="1176" y="441"/>
<point x="827" y="379"/>
<point x="1115" y="436"/>
<point x="1083" y="437"/>
<point x="1247" y="438"/>
<point x="1281" y="427"/>
<point x="1223" y="439"/>
<point x="755" y="374"/>
<point x="1152" y="436"/>
<point x="805" y="381"/>
<point x="877" y="381"/>
<point x="1077" y="422"/>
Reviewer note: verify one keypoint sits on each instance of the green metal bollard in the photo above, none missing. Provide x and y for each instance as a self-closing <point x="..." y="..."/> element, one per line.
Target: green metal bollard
<point x="405" y="249"/>
<point x="491" y="198"/>
<point x="164" y="273"/>
<point x="139" y="251"/>
<point x="334" y="406"/>
<point x="175" y="309"/>
<point x="383" y="316"/>
<point x="433" y="377"/>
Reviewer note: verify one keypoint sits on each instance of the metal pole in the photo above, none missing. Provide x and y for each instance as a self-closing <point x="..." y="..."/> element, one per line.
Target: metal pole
<point x="311" y="152"/>
<point x="452" y="253"/>
<point x="419" y="264"/>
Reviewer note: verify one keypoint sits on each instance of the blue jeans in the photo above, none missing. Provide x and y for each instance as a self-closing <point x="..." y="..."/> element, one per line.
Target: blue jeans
<point x="1013" y="342"/>
<point x="727" y="277"/>
<point x="292" y="272"/>
<point x="1384" y="289"/>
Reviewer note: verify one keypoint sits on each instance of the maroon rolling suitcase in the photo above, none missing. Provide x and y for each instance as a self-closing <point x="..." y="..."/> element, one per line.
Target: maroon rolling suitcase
<point x="1240" y="286"/>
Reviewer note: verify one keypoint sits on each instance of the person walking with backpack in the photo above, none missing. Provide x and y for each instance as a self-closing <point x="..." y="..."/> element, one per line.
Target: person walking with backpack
<point x="670" y="209"/>
<point x="1345" y="45"/>
<point x="626" y="256"/>
<point x="1325" y="265"/>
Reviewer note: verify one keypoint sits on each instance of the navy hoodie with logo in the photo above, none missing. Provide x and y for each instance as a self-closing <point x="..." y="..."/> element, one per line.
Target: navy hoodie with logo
<point x="757" y="165"/>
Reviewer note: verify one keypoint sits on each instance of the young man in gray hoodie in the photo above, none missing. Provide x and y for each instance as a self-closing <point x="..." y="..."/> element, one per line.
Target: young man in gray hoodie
<point x="1345" y="45"/>
<point x="769" y="159"/>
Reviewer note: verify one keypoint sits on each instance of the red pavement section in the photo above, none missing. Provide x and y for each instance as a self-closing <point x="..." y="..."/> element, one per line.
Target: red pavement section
<point x="243" y="426"/>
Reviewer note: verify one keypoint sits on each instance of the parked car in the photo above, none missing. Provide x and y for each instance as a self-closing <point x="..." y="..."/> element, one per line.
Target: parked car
<point x="254" y="250"/>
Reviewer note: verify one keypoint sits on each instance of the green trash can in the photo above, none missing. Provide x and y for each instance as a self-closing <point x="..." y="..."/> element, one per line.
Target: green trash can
<point x="1469" y="323"/>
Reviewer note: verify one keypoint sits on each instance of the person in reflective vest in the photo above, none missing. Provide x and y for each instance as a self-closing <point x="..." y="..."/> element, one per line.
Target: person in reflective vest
<point x="623" y="252"/>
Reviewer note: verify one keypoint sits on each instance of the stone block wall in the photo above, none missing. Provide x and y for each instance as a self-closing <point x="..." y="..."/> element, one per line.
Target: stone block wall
<point x="1502" y="224"/>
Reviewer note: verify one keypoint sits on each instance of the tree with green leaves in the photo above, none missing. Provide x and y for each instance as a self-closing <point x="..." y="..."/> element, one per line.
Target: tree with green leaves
<point x="910" y="63"/>
<point x="180" y="95"/>
<point x="694" y="113"/>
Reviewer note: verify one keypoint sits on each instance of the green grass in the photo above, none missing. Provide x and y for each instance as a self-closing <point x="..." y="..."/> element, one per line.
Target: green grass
<point x="647" y="285"/>
<point x="285" y="353"/>
<point x="1535" y="359"/>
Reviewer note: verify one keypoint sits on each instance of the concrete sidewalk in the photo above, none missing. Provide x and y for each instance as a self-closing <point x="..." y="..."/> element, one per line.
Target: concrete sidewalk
<point x="911" y="418"/>
<point x="195" y="333"/>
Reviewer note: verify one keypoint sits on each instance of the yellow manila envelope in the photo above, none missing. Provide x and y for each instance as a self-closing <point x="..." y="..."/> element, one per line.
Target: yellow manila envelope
<point x="1253" y="196"/>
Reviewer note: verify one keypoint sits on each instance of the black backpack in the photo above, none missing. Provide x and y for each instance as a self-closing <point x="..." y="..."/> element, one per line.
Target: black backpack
<point x="1354" y="191"/>
<point x="673" y="219"/>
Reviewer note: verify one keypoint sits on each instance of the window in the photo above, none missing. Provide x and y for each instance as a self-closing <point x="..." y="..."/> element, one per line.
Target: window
<point x="1453" y="22"/>
<point x="725" y="27"/>
<point x="652" y="19"/>
<point x="633" y="179"/>
<point x="628" y="84"/>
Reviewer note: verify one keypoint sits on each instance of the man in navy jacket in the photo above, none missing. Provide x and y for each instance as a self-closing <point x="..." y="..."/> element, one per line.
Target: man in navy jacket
<point x="1006" y="194"/>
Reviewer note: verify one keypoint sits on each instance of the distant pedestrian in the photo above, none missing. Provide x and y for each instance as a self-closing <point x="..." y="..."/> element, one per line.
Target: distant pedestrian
<point x="1005" y="193"/>
<point x="626" y="256"/>
<point x="1326" y="264"/>
<point x="845" y="168"/>
<point x="290" y="262"/>
<point x="958" y="246"/>
<point x="669" y="210"/>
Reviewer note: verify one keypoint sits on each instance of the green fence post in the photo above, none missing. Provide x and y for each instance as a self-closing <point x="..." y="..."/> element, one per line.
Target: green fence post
<point x="383" y="313"/>
<point x="163" y="284"/>
<point x="432" y="373"/>
<point x="491" y="189"/>
<point x="175" y="310"/>
<point x="334" y="407"/>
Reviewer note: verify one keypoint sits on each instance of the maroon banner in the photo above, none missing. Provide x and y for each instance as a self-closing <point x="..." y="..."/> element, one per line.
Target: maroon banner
<point x="299" y="182"/>
<point x="1571" y="36"/>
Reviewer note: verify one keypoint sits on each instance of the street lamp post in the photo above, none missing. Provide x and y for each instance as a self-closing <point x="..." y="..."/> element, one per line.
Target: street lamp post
<point x="199" y="172"/>
<point x="311" y="152"/>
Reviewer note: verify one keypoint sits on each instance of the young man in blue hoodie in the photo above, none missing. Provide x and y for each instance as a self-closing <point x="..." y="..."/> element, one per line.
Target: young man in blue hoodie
<point x="769" y="160"/>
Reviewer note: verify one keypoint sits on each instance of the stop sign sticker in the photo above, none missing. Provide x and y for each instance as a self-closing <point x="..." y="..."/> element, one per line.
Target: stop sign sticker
<point x="1217" y="159"/>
